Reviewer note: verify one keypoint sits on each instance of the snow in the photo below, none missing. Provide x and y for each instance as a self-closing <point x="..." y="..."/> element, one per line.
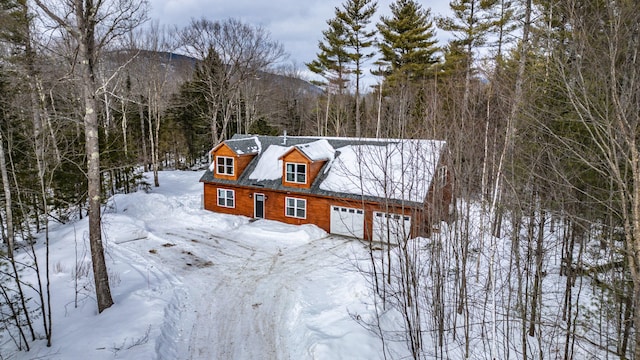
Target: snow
<point x="318" y="150"/>
<point x="401" y="171"/>
<point x="269" y="165"/>
<point x="254" y="148"/>
<point x="192" y="284"/>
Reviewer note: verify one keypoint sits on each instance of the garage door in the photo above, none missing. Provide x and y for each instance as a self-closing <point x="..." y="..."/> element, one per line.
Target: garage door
<point x="390" y="227"/>
<point x="347" y="221"/>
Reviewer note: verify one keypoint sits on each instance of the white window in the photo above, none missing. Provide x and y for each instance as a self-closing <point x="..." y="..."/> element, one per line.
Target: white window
<point x="224" y="165"/>
<point x="226" y="198"/>
<point x="296" y="208"/>
<point x="296" y="173"/>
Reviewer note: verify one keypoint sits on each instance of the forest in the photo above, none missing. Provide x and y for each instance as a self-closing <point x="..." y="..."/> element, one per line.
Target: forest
<point x="538" y="101"/>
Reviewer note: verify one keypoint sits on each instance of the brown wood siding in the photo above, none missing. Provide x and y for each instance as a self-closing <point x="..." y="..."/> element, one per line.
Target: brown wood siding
<point x="243" y="204"/>
<point x="313" y="170"/>
<point x="295" y="156"/>
<point x="318" y="207"/>
<point x="239" y="162"/>
<point x="224" y="150"/>
<point x="438" y="200"/>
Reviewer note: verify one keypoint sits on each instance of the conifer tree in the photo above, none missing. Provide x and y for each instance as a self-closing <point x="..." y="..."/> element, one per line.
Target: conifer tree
<point x="332" y="60"/>
<point x="355" y="16"/>
<point x="331" y="64"/>
<point x="408" y="42"/>
<point x="470" y="26"/>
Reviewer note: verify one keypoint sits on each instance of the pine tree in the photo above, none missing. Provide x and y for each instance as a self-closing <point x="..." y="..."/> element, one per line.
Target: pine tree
<point x="408" y="43"/>
<point x="332" y="60"/>
<point x="355" y="18"/>
<point x="470" y="26"/>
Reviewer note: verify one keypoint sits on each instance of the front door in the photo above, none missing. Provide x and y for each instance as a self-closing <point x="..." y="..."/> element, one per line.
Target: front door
<point x="258" y="206"/>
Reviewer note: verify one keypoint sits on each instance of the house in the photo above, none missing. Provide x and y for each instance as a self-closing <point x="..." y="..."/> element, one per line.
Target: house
<point x="374" y="189"/>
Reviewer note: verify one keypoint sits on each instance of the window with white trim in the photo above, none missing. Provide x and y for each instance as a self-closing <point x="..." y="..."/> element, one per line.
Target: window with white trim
<point x="224" y="165"/>
<point x="296" y="173"/>
<point x="296" y="208"/>
<point x="226" y="198"/>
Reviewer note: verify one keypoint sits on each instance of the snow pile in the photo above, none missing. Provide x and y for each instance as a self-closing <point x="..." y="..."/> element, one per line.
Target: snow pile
<point x="401" y="171"/>
<point x="250" y="145"/>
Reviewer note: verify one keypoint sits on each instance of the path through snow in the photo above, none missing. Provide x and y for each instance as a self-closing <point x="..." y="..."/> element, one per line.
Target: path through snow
<point x="193" y="284"/>
<point x="250" y="290"/>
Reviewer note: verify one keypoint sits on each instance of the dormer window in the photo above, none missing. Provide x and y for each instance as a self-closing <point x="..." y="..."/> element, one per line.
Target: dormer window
<point x="296" y="173"/>
<point x="224" y="165"/>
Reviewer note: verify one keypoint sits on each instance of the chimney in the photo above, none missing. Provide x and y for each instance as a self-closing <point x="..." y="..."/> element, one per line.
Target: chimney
<point x="284" y="137"/>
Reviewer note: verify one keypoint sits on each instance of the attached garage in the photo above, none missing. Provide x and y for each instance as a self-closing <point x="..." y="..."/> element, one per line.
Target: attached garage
<point x="347" y="221"/>
<point x="389" y="226"/>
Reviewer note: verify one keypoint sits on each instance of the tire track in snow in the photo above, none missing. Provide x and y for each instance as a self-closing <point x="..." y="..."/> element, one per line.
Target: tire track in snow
<point x="255" y="302"/>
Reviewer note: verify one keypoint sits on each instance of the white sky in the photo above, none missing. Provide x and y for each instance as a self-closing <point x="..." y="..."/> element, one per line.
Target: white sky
<point x="297" y="24"/>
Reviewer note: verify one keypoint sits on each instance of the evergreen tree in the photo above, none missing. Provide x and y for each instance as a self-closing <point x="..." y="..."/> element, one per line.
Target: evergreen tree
<point x="469" y="25"/>
<point x="355" y="16"/>
<point x="343" y="51"/>
<point x="331" y="64"/>
<point x="333" y="58"/>
<point x="408" y="43"/>
<point x="469" y="22"/>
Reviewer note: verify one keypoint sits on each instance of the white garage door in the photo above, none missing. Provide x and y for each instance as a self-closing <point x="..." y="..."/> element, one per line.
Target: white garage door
<point x="347" y="221"/>
<point x="393" y="227"/>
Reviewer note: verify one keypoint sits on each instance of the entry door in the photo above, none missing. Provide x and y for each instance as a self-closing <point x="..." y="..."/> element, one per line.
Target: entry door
<point x="258" y="206"/>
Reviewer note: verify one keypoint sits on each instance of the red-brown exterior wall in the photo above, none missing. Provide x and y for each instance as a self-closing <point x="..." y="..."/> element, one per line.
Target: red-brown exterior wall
<point x="239" y="162"/>
<point x="318" y="208"/>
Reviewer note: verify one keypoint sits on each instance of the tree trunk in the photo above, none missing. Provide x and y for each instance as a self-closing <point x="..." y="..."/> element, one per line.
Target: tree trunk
<point x="145" y="157"/>
<point x="86" y="24"/>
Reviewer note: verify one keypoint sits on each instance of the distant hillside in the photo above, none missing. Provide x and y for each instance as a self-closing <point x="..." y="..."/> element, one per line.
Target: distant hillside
<point x="178" y="60"/>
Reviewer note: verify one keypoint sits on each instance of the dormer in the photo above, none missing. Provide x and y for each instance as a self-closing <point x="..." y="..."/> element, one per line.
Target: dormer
<point x="302" y="163"/>
<point x="230" y="158"/>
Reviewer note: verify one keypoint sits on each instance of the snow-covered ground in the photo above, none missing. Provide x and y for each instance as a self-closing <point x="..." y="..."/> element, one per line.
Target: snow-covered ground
<point x="192" y="284"/>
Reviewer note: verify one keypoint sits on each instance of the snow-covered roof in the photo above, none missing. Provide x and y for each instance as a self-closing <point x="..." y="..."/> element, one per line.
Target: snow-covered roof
<point x="245" y="146"/>
<point x="317" y="150"/>
<point x="399" y="169"/>
<point x="269" y="166"/>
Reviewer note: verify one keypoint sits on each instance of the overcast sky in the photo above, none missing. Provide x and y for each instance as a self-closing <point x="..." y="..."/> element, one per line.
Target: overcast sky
<point x="296" y="24"/>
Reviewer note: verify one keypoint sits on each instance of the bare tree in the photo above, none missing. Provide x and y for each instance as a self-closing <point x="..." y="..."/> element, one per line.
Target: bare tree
<point x="602" y="83"/>
<point x="93" y="25"/>
<point x="156" y="74"/>
<point x="231" y="54"/>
